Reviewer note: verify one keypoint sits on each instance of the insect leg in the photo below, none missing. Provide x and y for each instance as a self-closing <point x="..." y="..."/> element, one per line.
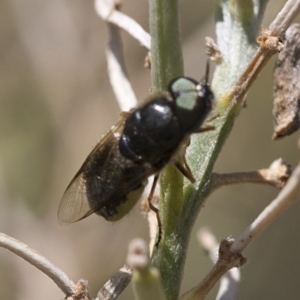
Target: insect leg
<point x="124" y="114"/>
<point x="212" y="117"/>
<point x="206" y="126"/>
<point x="153" y="208"/>
<point x="185" y="169"/>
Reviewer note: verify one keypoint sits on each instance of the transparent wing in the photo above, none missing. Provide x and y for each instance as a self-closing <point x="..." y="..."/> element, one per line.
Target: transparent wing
<point x="74" y="204"/>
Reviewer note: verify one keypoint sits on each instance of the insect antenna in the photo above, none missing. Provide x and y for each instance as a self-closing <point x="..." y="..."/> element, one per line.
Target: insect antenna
<point x="207" y="71"/>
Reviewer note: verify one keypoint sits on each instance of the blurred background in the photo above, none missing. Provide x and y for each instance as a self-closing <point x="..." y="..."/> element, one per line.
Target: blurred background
<point x="56" y="103"/>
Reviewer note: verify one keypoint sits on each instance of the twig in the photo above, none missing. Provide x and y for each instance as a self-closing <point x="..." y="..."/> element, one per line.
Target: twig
<point x="117" y="70"/>
<point x="229" y="248"/>
<point x="106" y="10"/>
<point x="269" y="44"/>
<point x="277" y="175"/>
<point x="288" y="195"/>
<point x="114" y="54"/>
<point x="225" y="262"/>
<point x="116" y="284"/>
<point x="34" y="258"/>
<point x="285" y="17"/>
<point x="231" y="279"/>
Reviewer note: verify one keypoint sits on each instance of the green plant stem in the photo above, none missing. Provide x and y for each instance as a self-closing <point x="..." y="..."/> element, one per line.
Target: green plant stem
<point x="166" y="64"/>
<point x="166" y="52"/>
<point x="147" y="284"/>
<point x="180" y="201"/>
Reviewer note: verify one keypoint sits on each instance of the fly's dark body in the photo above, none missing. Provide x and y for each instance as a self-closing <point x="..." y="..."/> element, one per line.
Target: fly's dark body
<point x="112" y="178"/>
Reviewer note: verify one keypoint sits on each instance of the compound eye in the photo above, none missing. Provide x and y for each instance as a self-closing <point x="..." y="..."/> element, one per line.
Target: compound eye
<point x="192" y="102"/>
<point x="184" y="92"/>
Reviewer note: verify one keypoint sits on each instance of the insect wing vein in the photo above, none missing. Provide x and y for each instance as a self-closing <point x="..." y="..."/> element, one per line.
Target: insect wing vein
<point x="74" y="205"/>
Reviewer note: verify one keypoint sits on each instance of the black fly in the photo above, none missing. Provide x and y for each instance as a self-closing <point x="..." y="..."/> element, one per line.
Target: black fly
<point x="112" y="178"/>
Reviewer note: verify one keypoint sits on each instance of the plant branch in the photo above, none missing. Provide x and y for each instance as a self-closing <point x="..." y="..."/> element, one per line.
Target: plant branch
<point x="285" y="17"/>
<point x="288" y="195"/>
<point x="114" y="53"/>
<point x="229" y="247"/>
<point x="230" y="280"/>
<point x="179" y="208"/>
<point x="269" y="45"/>
<point x="40" y="262"/>
<point x="276" y="175"/>
<point x="107" y="11"/>
<point x="117" y="70"/>
<point x="180" y="204"/>
<point x="225" y="262"/>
